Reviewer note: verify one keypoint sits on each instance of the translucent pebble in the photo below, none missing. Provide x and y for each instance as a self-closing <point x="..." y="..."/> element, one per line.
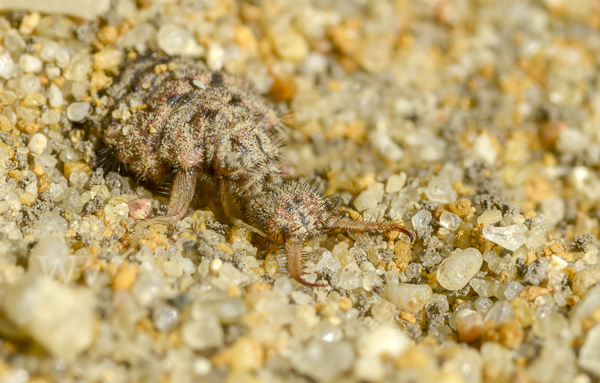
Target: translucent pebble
<point x="49" y="311"/>
<point x="421" y="219"/>
<point x="78" y="111"/>
<point x="55" y="96"/>
<point x="29" y="83"/>
<point x="498" y="362"/>
<point x="215" y="57"/>
<point x="489" y="217"/>
<point x="62" y="58"/>
<point x="78" y="179"/>
<point x="440" y="190"/>
<point x="469" y="325"/>
<point x="50" y="222"/>
<point x="386" y="145"/>
<point x="553" y="209"/>
<point x="589" y="356"/>
<point x="365" y="200"/>
<point x="49" y="50"/>
<point x="376" y="188"/>
<point x="177" y="41"/>
<point x="148" y="285"/>
<point x="513" y="289"/>
<point x="408" y="297"/>
<point x="371" y="280"/>
<point x="37" y="143"/>
<point x="69" y="155"/>
<point x="79" y="67"/>
<point x="483" y="287"/>
<point x="283" y="285"/>
<point x="165" y="318"/>
<point x="483" y="305"/>
<point x="349" y="280"/>
<point x="323" y="361"/>
<point x="450" y="220"/>
<point x="72" y="201"/>
<point x="500" y="312"/>
<point x="483" y="149"/>
<point x="385" y="340"/>
<point x="510" y="237"/>
<point x="571" y="140"/>
<point x="328" y="263"/>
<point x="30" y="64"/>
<point x="457" y="270"/>
<point x="203" y="333"/>
<point x="47" y="163"/>
<point x="395" y="183"/>
<point x="7" y="66"/>
<point x="49" y="257"/>
<point x="52" y="71"/>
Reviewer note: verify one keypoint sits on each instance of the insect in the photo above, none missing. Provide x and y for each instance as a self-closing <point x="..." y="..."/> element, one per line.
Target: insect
<point x="170" y="117"/>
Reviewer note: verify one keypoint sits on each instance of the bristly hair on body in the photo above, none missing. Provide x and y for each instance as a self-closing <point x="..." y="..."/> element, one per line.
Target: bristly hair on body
<point x="209" y="137"/>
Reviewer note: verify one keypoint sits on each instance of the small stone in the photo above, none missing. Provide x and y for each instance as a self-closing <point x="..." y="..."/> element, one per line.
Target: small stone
<point x="165" y="318"/>
<point x="72" y="201"/>
<point x="79" y="67"/>
<point x="48" y="52"/>
<point x="76" y="166"/>
<point x="461" y="207"/>
<point x="395" y="183"/>
<point x="55" y="97"/>
<point x="29" y="22"/>
<point x="29" y="83"/>
<point x="369" y="369"/>
<point x="501" y="312"/>
<point x="50" y="222"/>
<point x="584" y="279"/>
<point x="215" y="57"/>
<point x="7" y="66"/>
<point x="37" y="143"/>
<point x="513" y="289"/>
<point x="421" y="219"/>
<point x="78" y="111"/>
<point x="457" y="270"/>
<point x="59" y="317"/>
<point x="203" y="333"/>
<point x="440" y="190"/>
<point x="489" y="217"/>
<point x="108" y="60"/>
<point x="483" y="149"/>
<point x="408" y="297"/>
<point x="28" y="127"/>
<point x="289" y="44"/>
<point x="140" y="208"/>
<point x="589" y="355"/>
<point x="450" y="221"/>
<point x="349" y="280"/>
<point x="245" y="354"/>
<point x="30" y="64"/>
<point x="323" y="361"/>
<point x="284" y="88"/>
<point x="177" y="41"/>
<point x="469" y="325"/>
<point x="510" y="237"/>
<point x="386" y="146"/>
<point x="384" y="341"/>
<point x="50" y="258"/>
<point x="365" y="200"/>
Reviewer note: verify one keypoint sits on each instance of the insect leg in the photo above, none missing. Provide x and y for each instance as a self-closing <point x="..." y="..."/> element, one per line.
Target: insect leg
<point x="362" y="226"/>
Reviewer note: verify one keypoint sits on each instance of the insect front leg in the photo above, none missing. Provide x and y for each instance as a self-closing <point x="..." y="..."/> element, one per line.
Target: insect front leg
<point x="182" y="195"/>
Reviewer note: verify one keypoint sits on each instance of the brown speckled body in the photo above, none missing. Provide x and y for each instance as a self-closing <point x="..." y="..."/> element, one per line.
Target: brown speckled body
<point x="170" y="116"/>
